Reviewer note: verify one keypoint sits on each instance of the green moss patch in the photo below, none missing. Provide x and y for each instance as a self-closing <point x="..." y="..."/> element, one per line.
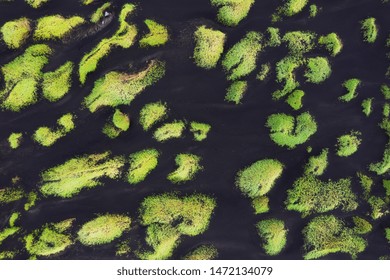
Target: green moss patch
<point x="332" y="43"/>
<point x="32" y="198"/>
<point x="351" y="85"/>
<point x="151" y="114"/>
<point x="141" y="164"/>
<point x="232" y="12"/>
<point x="273" y="234"/>
<point x="367" y="106"/>
<point x="57" y="83"/>
<point x="36" y="3"/>
<point x="318" y="70"/>
<point x="200" y="130"/>
<point x="293" y="7"/>
<point x="299" y="42"/>
<point x="313" y="10"/>
<point x="56" y="27"/>
<point x="386" y="186"/>
<point x="236" y="91"/>
<point x="15" y="139"/>
<point x="260" y="204"/>
<point x="295" y="99"/>
<point x="265" y="69"/>
<point x="157" y="36"/>
<point x="369" y="30"/>
<point x="98" y="15"/>
<point x="16" y="32"/>
<point x="366" y="183"/>
<point x="317" y="164"/>
<point x="385" y="90"/>
<point x="187" y="167"/>
<point x="169" y="131"/>
<point x="8" y="195"/>
<point x="274" y="39"/>
<point x="119" y="123"/>
<point x="285" y="69"/>
<point x="379" y="207"/>
<point x="7" y="232"/>
<point x="348" y="144"/>
<point x="362" y="226"/>
<point x="203" y="252"/>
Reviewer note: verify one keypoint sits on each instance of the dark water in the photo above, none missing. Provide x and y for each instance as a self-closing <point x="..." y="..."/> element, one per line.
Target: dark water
<point x="238" y="136"/>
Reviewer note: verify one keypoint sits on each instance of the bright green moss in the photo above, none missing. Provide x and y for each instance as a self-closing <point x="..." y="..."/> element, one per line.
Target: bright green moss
<point x="259" y="178"/>
<point x="13" y="219"/>
<point x="379" y="207"/>
<point x="16" y="32"/>
<point x="117" y="88"/>
<point x="236" y="91"/>
<point x="99" y="13"/>
<point x="8" y="195"/>
<point x="260" y="204"/>
<point x="120" y="122"/>
<point x="386" y="186"/>
<point x="87" y="2"/>
<point x="209" y="44"/>
<point x="240" y="60"/>
<point x="313" y="9"/>
<point x="351" y="85"/>
<point x="273" y="234"/>
<point x="367" y="106"/>
<point x="7" y="232"/>
<point x="141" y="164"/>
<point x="285" y="69"/>
<point x="325" y="235"/>
<point x="157" y="36"/>
<point x="124" y="37"/>
<point x="168" y="131"/>
<point x="383" y="166"/>
<point x="231" y="12"/>
<point x="387" y="234"/>
<point x="66" y="122"/>
<point x="15" y="139"/>
<point x="103" y="229"/>
<point x="56" y="27"/>
<point x="317" y="164"/>
<point x="362" y="226"/>
<point x="366" y="183"/>
<point x="348" y="144"/>
<point x="295" y="99"/>
<point x="203" y="252"/>
<point x="46" y="136"/>
<point x="187" y="167"/>
<point x="293" y="7"/>
<point x="289" y="131"/>
<point x="311" y="195"/>
<point x="318" y="70"/>
<point x="68" y="179"/>
<point x="123" y="249"/>
<point x="273" y="39"/>
<point x="369" y="30"/>
<point x="152" y="113"/>
<point x="32" y="198"/>
<point x="64" y="225"/>
<point x="7" y="255"/>
<point x="36" y="3"/>
<point x="57" y="83"/>
<point x="264" y="72"/>
<point x="385" y="89"/>
<point x="299" y="42"/>
<point x="200" y="130"/>
<point x="332" y="43"/>
<point x="386" y="110"/>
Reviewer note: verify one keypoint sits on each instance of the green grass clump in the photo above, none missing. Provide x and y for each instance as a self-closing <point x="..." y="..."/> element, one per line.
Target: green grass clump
<point x="293" y="7"/>
<point x="117" y="88"/>
<point x="383" y="166"/>
<point x="369" y="30"/>
<point x="141" y="164"/>
<point x="68" y="179"/>
<point x="295" y="99"/>
<point x="21" y="77"/>
<point x="15" y="139"/>
<point x="379" y="207"/>
<point x="351" y="85"/>
<point x="209" y="44"/>
<point x="119" y="122"/>
<point x="289" y="131"/>
<point x="386" y="110"/>
<point x="273" y="39"/>
<point x="103" y="229"/>
<point x="87" y="2"/>
<point x="32" y="198"/>
<point x="157" y="36"/>
<point x="259" y="178"/>
<point x="152" y="113"/>
<point x="236" y="91"/>
<point x="385" y="90"/>
<point x="203" y="252"/>
<point x="7" y="232"/>
<point x="124" y="37"/>
<point x="387" y="234"/>
<point x="36" y="3"/>
<point x="7" y="255"/>
<point x="57" y="83"/>
<point x="299" y="42"/>
<point x="187" y="167"/>
<point x="169" y="131"/>
<point x="273" y="234"/>
<point x="98" y="15"/>
<point x="240" y="60"/>
<point x="366" y="183"/>
<point x="260" y="204"/>
<point x="16" y="32"/>
<point x="264" y="72"/>
<point x="8" y="195"/>
<point x="332" y="43"/>
<point x="313" y="9"/>
<point x="56" y="27"/>
<point x="362" y="226"/>
<point x="14" y="218"/>
<point x="325" y="235"/>
<point x="317" y="164"/>
<point x="231" y="12"/>
<point x="200" y="130"/>
<point x="348" y="144"/>
<point x="285" y="69"/>
<point x="318" y="70"/>
<point x="310" y="195"/>
<point x="386" y="186"/>
<point x="367" y="106"/>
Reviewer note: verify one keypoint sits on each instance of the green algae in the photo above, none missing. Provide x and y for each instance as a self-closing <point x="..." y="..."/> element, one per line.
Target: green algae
<point x="169" y="131"/>
<point x="16" y="32"/>
<point x="56" y="84"/>
<point x="200" y="130"/>
<point x="367" y="106"/>
<point x="36" y="3"/>
<point x="232" y="12"/>
<point x="119" y="123"/>
<point x="332" y="43"/>
<point x="141" y="164"/>
<point x="348" y="144"/>
<point x="318" y="70"/>
<point x="295" y="99"/>
<point x="260" y="205"/>
<point x="273" y="234"/>
<point x="236" y="91"/>
<point x="369" y="30"/>
<point x="56" y="27"/>
<point x="265" y="70"/>
<point x="188" y="165"/>
<point x="157" y="36"/>
<point x="99" y="13"/>
<point x="15" y="139"/>
<point x="9" y="195"/>
<point x="317" y="164"/>
<point x="151" y="114"/>
<point x="203" y="252"/>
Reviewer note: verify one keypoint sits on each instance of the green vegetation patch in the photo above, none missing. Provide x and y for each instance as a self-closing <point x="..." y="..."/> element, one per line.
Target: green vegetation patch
<point x="299" y="42"/>
<point x="57" y="83"/>
<point x="362" y="226"/>
<point x="7" y="232"/>
<point x="56" y="27"/>
<point x="351" y="85"/>
<point x="317" y="164"/>
<point x="117" y="88"/>
<point x="236" y="91"/>
<point x="273" y="234"/>
<point x="379" y="207"/>
<point x="169" y="131"/>
<point x="209" y="44"/>
<point x="289" y="131"/>
<point x="386" y="110"/>
<point x="141" y="164"/>
<point x="259" y="178"/>
<point x="120" y="122"/>
<point x="313" y="9"/>
<point x="383" y="166"/>
<point x="265" y="69"/>
<point x="99" y="13"/>
<point x="152" y="113"/>
<point x="32" y="198"/>
<point x="157" y="36"/>
<point x="15" y="139"/>
<point x="200" y="130"/>
<point x="385" y="90"/>
<point x="260" y="204"/>
<point x="348" y="144"/>
<point x="325" y="235"/>
<point x="369" y="30"/>
<point x="8" y="195"/>
<point x="187" y="167"/>
<point x="231" y="12"/>
<point x="285" y="69"/>
<point x="367" y="106"/>
<point x="293" y="7"/>
<point x="68" y="179"/>
<point x="386" y="186"/>
<point x="366" y="182"/>
<point x="387" y="234"/>
<point x="16" y="32"/>
<point x="103" y="229"/>
<point x="295" y="99"/>
<point x="36" y="3"/>
<point x="274" y="39"/>
<point x="203" y="252"/>
<point x="318" y="70"/>
<point x="332" y="43"/>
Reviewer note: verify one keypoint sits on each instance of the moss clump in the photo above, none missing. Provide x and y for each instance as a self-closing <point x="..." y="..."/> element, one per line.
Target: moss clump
<point x="124" y="37"/>
<point x="32" y="198"/>
<point x="231" y="12"/>
<point x="123" y="249"/>
<point x="285" y="69"/>
<point x="7" y="232"/>
<point x="157" y="36"/>
<point x="99" y="13"/>
<point x="367" y="106"/>
<point x="119" y="123"/>
<point x="240" y="60"/>
<point x="259" y="178"/>
<point x="260" y="204"/>
<point x="385" y="90"/>
<point x="169" y="131"/>
<point x="68" y="179"/>
<point x="36" y="3"/>
<point x="332" y="43"/>
<point x="117" y="88"/>
<point x="383" y="166"/>
<point x="14" y="218"/>
<point x="313" y="9"/>
<point x="200" y="130"/>
<point x="236" y="91"/>
<point x="317" y="164"/>
<point x="151" y="114"/>
<point x="386" y="186"/>
<point x="386" y="110"/>
<point x="264" y="72"/>
<point x="311" y="195"/>
<point x="103" y="229"/>
<point x="21" y="77"/>
<point x="325" y="235"/>
<point x="87" y="2"/>
<point x="387" y="234"/>
<point x="57" y="83"/>
<point x="56" y="27"/>
<point x="293" y="7"/>
<point x="379" y="207"/>
<point x="203" y="252"/>
<point x="16" y="32"/>
<point x="15" y="139"/>
<point x="273" y="234"/>
<point x="289" y="131"/>
<point x="366" y="183"/>
<point x="295" y="99"/>
<point x="348" y="144"/>
<point x="209" y="44"/>
<point x="362" y="226"/>
<point x="187" y="167"/>
<point x="351" y="85"/>
<point x="273" y="39"/>
<point x="369" y="30"/>
<point x="318" y="70"/>
<point x="299" y="42"/>
<point x="7" y="255"/>
<point x="141" y="164"/>
<point x="8" y="195"/>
